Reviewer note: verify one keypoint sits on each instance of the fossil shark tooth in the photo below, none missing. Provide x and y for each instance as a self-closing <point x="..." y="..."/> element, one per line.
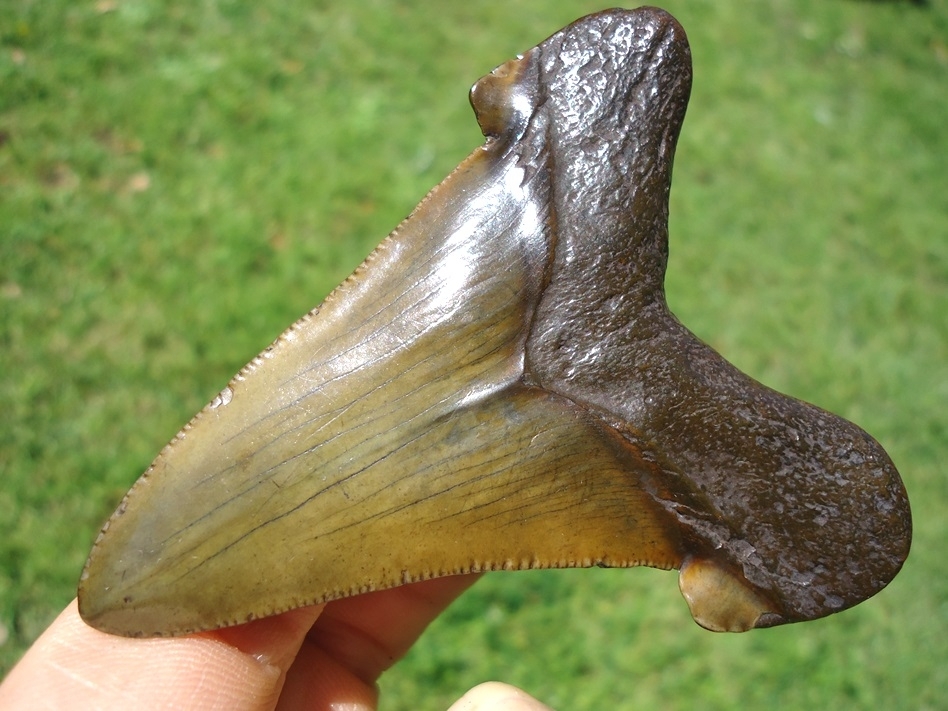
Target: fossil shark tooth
<point x="502" y="386"/>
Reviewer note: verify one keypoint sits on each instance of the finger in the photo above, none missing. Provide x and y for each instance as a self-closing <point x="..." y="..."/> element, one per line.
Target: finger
<point x="74" y="666"/>
<point x="495" y="696"/>
<point x="358" y="638"/>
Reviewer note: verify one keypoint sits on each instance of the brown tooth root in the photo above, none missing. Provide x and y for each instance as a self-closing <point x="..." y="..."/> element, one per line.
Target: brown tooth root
<point x="501" y="386"/>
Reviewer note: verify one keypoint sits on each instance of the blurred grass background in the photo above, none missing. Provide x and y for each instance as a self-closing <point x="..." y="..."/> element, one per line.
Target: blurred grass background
<point x="181" y="180"/>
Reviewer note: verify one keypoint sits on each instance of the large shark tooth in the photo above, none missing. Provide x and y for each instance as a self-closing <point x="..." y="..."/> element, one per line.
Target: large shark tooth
<point x="501" y="386"/>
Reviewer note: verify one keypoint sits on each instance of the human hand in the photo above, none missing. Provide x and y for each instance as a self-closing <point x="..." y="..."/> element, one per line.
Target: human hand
<point x="321" y="657"/>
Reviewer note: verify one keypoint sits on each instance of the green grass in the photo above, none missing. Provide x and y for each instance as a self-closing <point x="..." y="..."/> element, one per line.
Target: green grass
<point x="180" y="180"/>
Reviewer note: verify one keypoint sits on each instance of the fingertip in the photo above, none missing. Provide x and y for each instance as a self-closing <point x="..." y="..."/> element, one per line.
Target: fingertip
<point x="497" y="696"/>
<point x="272" y="641"/>
<point x="75" y="666"/>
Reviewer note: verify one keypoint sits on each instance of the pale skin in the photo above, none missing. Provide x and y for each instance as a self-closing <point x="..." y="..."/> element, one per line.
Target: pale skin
<point x="322" y="657"/>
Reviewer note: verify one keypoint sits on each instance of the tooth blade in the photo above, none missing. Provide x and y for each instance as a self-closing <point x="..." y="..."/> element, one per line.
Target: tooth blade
<point x="520" y="480"/>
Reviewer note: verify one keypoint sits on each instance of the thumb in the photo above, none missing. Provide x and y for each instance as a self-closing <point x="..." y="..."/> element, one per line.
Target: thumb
<point x="495" y="696"/>
<point x="75" y="666"/>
